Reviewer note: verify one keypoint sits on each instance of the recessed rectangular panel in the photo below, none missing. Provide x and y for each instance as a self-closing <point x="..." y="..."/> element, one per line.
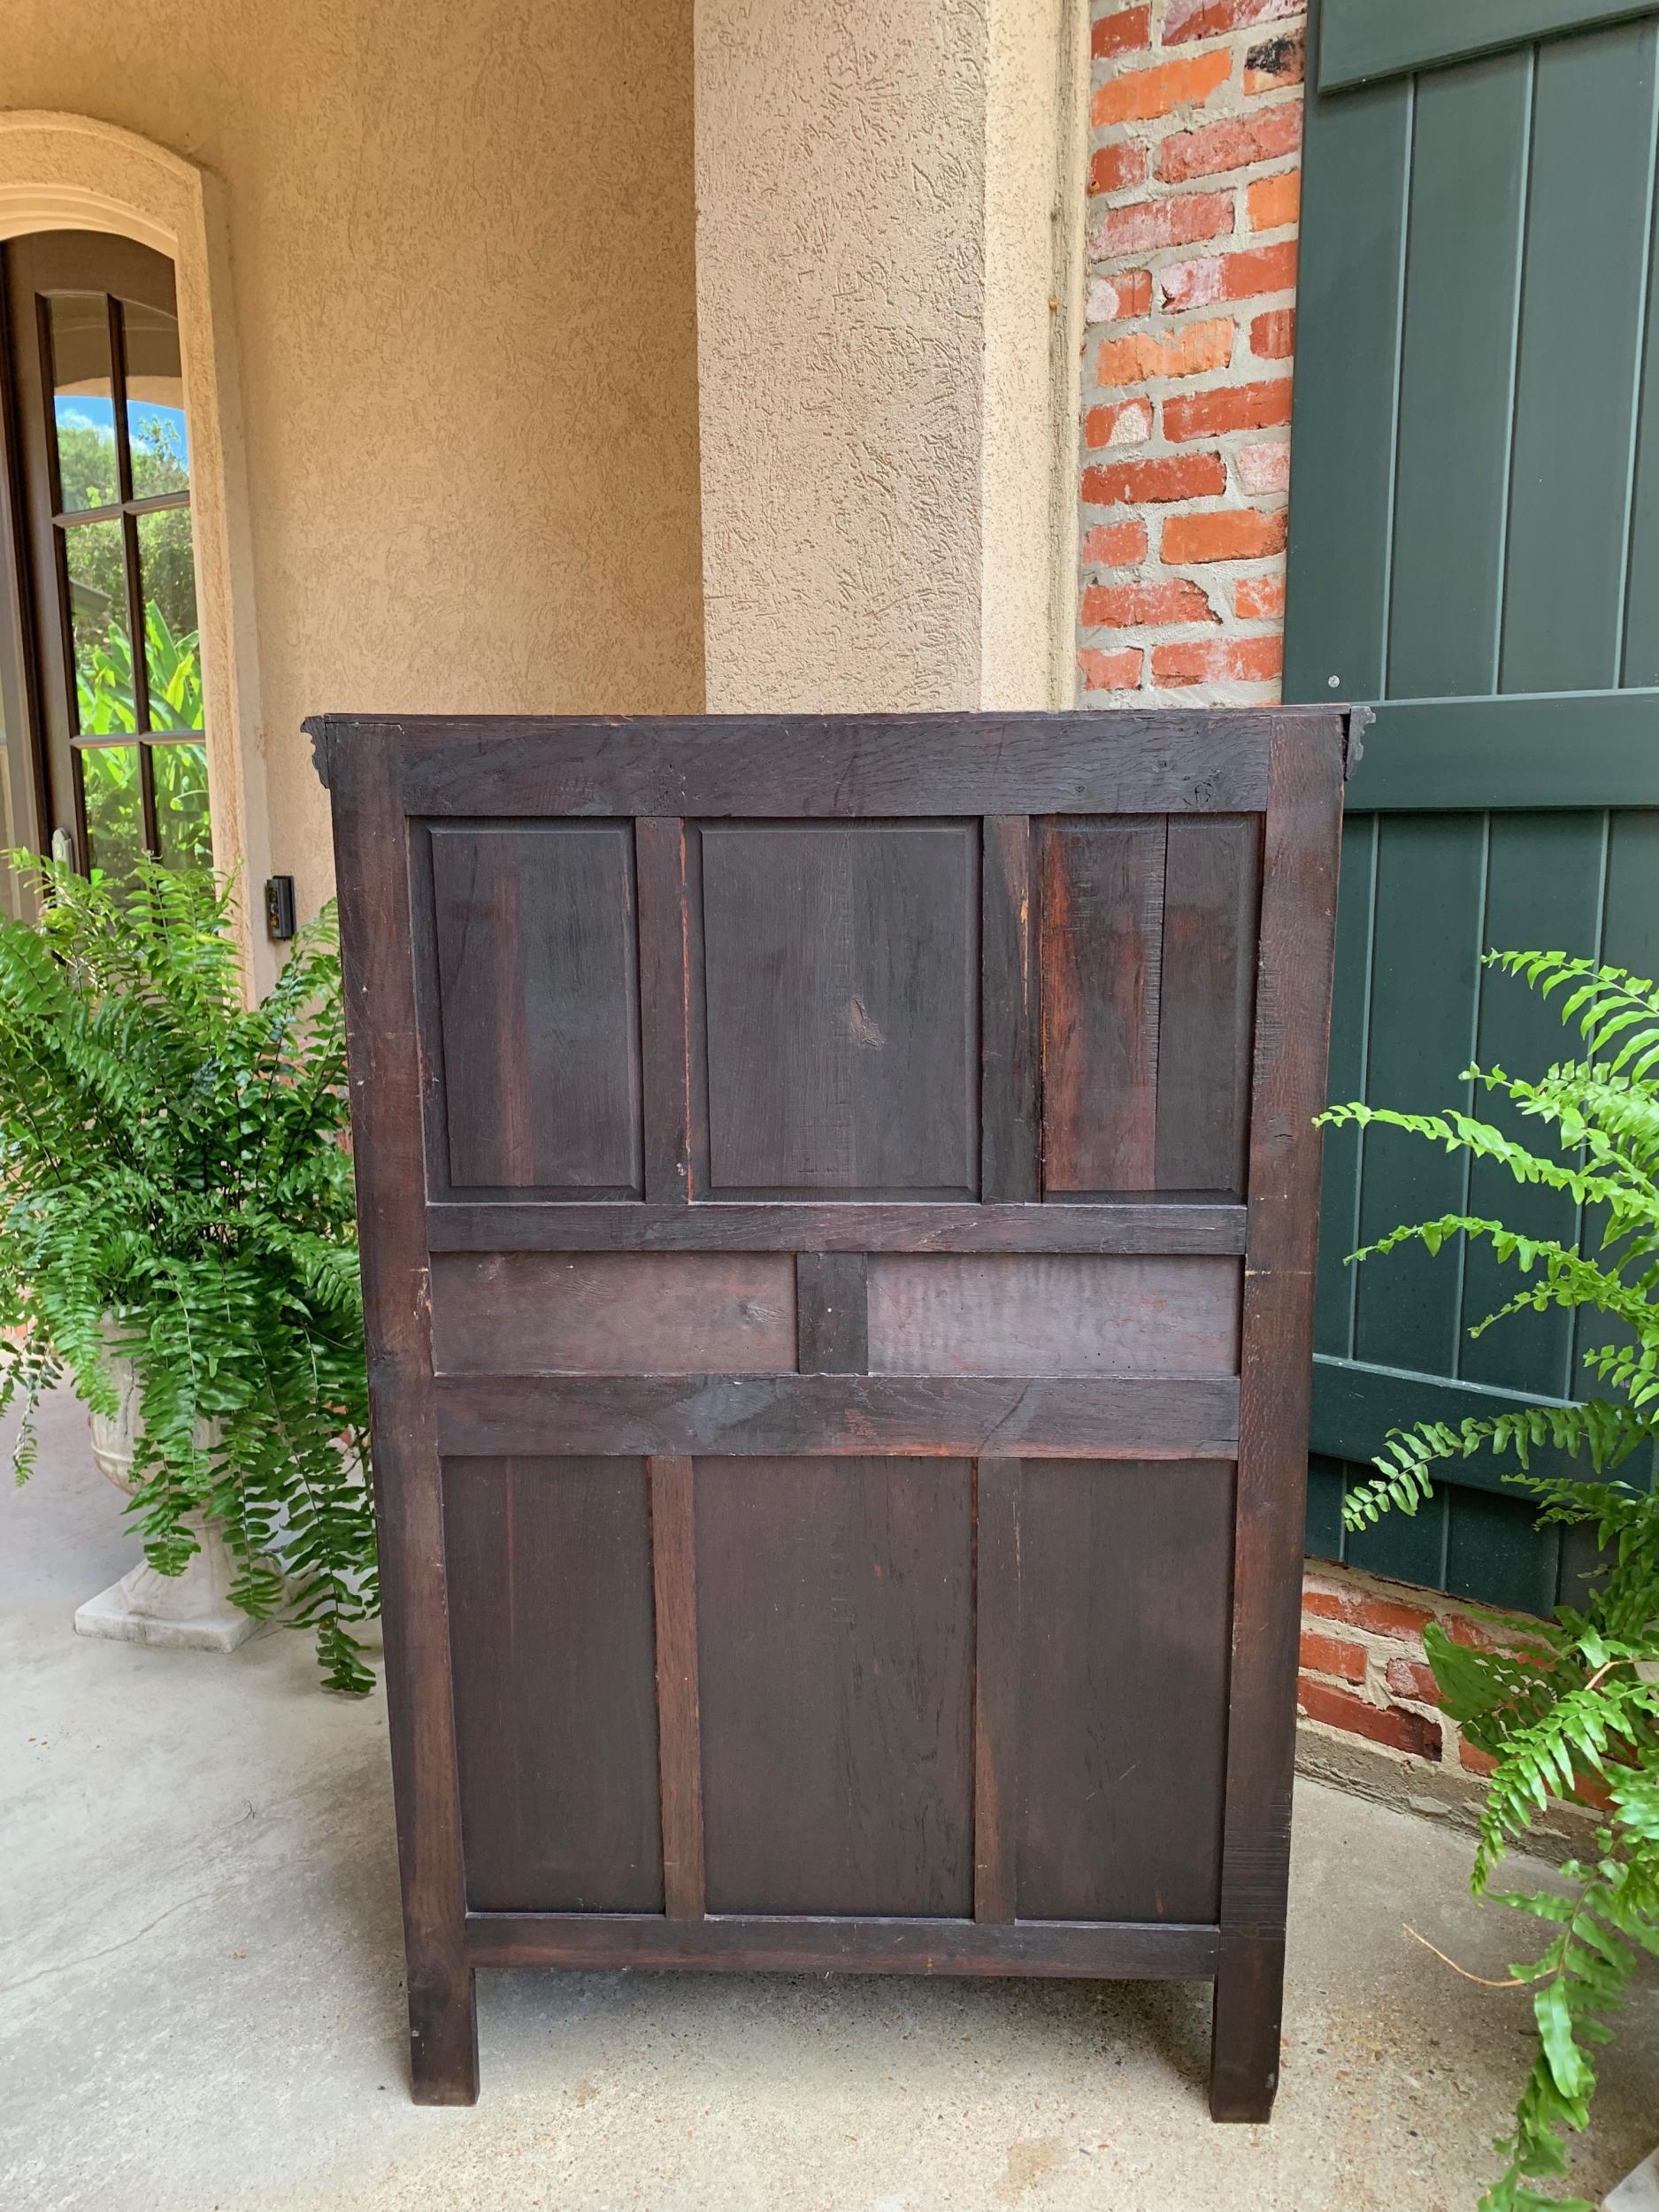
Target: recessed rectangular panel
<point x="1212" y="884"/>
<point x="1124" y="1626"/>
<point x="834" y="1606"/>
<point x="841" y="972"/>
<point x="1100" y="945"/>
<point x="1046" y="1314"/>
<point x="552" y="1651"/>
<point x="538" y="969"/>
<point x="614" y="1313"/>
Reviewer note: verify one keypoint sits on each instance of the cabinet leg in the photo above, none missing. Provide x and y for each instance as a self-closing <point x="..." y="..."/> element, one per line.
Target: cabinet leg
<point x="1245" y="2028"/>
<point x="443" y="2037"/>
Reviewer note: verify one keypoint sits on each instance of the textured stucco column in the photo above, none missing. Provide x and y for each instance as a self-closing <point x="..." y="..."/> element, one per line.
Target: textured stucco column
<point x="887" y="283"/>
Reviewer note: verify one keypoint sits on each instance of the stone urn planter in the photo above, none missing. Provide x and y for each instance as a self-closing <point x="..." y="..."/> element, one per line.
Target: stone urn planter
<point x="190" y="1611"/>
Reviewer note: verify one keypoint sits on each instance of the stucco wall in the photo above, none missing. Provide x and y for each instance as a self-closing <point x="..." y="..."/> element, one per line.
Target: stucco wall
<point x="461" y="242"/>
<point x="878" y="185"/>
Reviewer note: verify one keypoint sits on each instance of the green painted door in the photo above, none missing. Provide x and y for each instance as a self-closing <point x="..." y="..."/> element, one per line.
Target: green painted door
<point x="1474" y="546"/>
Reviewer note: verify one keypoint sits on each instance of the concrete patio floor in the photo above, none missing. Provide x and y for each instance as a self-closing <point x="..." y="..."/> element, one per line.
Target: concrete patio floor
<point x="201" y="2007"/>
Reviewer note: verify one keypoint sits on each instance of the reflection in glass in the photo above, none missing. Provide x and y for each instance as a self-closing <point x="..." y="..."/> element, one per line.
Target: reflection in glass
<point x="183" y="834"/>
<point x="155" y="401"/>
<point x="83" y="406"/>
<point x="172" y="660"/>
<point x="97" y="614"/>
<point x="115" y="808"/>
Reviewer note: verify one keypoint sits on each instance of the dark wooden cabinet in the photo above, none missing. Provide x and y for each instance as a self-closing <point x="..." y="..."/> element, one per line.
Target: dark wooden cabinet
<point x="838" y="1204"/>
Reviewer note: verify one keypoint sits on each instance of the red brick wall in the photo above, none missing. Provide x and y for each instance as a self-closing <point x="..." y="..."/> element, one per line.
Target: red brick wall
<point x="1196" y="124"/>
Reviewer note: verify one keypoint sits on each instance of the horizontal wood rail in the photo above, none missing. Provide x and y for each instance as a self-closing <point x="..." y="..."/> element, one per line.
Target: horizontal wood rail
<point x="1202" y="1226"/>
<point x="1102" y="1949"/>
<point x="1534" y="749"/>
<point x="1361" y="41"/>
<point x="1128" y="1416"/>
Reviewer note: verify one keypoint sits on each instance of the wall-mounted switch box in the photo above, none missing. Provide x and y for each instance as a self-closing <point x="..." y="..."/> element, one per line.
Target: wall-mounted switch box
<point x="279" y="907"/>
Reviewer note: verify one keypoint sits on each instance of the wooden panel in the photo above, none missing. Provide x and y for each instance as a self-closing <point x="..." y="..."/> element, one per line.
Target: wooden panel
<point x="1126" y="1417"/>
<point x="832" y="1321"/>
<point x="1013" y="1314"/>
<point x="665" y="1008"/>
<point x="1117" y="761"/>
<point x="1008" y="1031"/>
<point x="796" y="1943"/>
<point x="1361" y="42"/>
<point x="1456" y="375"/>
<point x="679" y="1703"/>
<point x="1212" y="875"/>
<point x="1100" y="938"/>
<point x="551" y="1609"/>
<point x="1122" y="1693"/>
<point x="1562" y="618"/>
<point x="537" y="962"/>
<point x="1356" y="162"/>
<point x="841" y="970"/>
<point x="612" y="1313"/>
<point x="1116" y="1225"/>
<point x="996" y="1687"/>
<point x="835" y="1610"/>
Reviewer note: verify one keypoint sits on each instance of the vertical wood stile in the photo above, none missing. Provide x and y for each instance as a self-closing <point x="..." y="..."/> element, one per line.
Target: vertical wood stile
<point x="678" y="1722"/>
<point x="1292" y="1017"/>
<point x="995" y="1688"/>
<point x="832" y="1307"/>
<point x="1008" y="1042"/>
<point x="370" y="842"/>
<point x="664" y="1006"/>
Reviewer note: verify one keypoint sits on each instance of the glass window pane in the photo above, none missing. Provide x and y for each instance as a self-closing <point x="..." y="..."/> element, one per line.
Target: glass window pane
<point x="155" y="401"/>
<point x="172" y="660"/>
<point x="182" y="821"/>
<point x="96" y="562"/>
<point x="83" y="406"/>
<point x="115" y="807"/>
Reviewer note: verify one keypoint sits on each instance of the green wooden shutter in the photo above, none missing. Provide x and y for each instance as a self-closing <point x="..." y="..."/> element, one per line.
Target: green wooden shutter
<point x="1474" y="546"/>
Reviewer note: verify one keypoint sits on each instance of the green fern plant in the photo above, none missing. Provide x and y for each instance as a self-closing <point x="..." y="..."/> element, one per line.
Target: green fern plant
<point x="176" y="1160"/>
<point x="1575" y="1700"/>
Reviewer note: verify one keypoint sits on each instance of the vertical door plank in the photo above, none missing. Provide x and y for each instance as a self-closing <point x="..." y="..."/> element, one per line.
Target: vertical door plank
<point x="664" y="1006"/>
<point x="480" y="969"/>
<point x="1101" y="936"/>
<point x="1206" y="987"/>
<point x="1456" y="375"/>
<point x="832" y="1306"/>
<point x="1563" y="617"/>
<point x="1292" y="1017"/>
<point x="1007" y="1026"/>
<point x="997" y="1624"/>
<point x="1356" y="161"/>
<point x="1351" y="1027"/>
<point x="679" y="1715"/>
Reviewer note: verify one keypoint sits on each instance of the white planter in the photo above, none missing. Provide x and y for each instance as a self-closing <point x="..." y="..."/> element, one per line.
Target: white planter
<point x="190" y="1611"/>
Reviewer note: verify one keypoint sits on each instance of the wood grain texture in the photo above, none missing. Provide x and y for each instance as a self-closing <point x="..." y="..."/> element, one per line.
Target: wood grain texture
<point x="997" y="1740"/>
<point x="678" y="1699"/>
<point x="1293" y="1011"/>
<point x="537" y="962"/>
<point x="1011" y="1049"/>
<point x="1029" y="1314"/>
<point x="1111" y="1226"/>
<point x="616" y="1313"/>
<point x="835" y="1602"/>
<point x="549" y="1569"/>
<point x="841" y="984"/>
<point x="1212" y="876"/>
<point x="1101" y="936"/>
<point x="796" y="1943"/>
<point x="832" y="1313"/>
<point x="371" y="847"/>
<point x="1135" y="1416"/>
<point x="1159" y="761"/>
<point x="666" y="1009"/>
<point x="1124" y="1572"/>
